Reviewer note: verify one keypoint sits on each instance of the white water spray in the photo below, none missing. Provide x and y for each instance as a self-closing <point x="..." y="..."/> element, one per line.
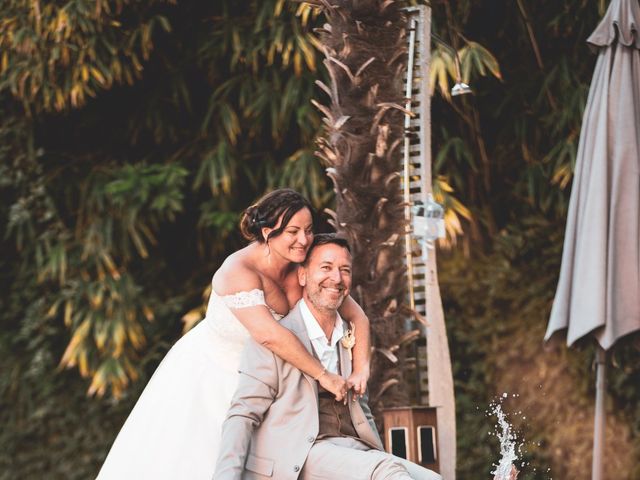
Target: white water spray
<point x="508" y="443"/>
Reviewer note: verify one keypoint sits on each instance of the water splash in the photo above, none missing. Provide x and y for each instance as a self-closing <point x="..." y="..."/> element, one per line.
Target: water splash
<point x="509" y="443"/>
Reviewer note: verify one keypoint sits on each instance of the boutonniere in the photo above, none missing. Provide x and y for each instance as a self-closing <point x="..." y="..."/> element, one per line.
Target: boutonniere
<point x="349" y="340"/>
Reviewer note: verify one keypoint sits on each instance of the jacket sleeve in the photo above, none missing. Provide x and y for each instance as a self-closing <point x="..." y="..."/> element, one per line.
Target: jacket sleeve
<point x="256" y="391"/>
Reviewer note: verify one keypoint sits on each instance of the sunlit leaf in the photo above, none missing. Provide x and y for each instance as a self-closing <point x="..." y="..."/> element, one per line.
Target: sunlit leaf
<point x="475" y="59"/>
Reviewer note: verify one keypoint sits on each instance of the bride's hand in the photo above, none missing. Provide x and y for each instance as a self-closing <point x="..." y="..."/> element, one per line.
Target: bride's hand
<point x="358" y="381"/>
<point x="334" y="384"/>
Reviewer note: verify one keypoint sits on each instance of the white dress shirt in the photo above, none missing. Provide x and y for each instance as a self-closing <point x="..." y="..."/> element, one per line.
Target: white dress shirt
<point x="327" y="351"/>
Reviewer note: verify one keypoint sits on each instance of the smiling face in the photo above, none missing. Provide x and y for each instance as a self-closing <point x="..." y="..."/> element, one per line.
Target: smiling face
<point x="326" y="277"/>
<point x="296" y="237"/>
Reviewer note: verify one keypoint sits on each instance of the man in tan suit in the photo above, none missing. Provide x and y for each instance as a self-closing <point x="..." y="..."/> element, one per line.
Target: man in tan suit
<point x="279" y="424"/>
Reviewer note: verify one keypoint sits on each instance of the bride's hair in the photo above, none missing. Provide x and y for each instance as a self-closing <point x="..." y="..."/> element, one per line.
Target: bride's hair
<point x="267" y="210"/>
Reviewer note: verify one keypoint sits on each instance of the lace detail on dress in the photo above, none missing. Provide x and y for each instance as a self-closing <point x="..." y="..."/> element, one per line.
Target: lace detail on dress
<point x="251" y="298"/>
<point x="244" y="299"/>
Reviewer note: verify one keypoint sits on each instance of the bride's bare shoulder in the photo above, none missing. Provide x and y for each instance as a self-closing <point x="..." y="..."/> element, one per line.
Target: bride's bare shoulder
<point x="237" y="274"/>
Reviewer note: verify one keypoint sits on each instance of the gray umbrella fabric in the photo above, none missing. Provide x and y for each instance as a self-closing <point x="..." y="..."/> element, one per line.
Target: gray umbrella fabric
<point x="599" y="286"/>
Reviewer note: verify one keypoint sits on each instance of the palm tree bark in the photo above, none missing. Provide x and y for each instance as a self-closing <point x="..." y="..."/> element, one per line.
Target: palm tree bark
<point x="364" y="43"/>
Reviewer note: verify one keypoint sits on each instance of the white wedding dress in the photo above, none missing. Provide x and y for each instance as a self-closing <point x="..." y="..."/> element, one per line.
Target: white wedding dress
<point x="173" y="432"/>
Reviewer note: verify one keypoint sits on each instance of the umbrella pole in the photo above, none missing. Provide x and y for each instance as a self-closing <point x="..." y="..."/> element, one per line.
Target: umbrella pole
<point x="597" y="469"/>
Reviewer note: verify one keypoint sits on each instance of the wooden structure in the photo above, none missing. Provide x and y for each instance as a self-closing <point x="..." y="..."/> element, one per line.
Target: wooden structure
<point x="411" y="433"/>
<point x="423" y="275"/>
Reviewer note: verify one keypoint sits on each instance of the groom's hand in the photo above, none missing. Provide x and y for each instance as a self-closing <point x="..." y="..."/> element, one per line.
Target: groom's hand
<point x="334" y="384"/>
<point x="358" y="381"/>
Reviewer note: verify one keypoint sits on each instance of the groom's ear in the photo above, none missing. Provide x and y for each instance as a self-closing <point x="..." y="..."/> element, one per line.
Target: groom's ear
<point x="302" y="276"/>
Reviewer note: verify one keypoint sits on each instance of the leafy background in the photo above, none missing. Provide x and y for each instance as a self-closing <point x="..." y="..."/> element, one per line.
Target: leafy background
<point x="133" y="133"/>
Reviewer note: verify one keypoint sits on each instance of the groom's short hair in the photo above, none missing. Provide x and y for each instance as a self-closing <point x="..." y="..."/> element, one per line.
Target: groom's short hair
<point x="324" y="239"/>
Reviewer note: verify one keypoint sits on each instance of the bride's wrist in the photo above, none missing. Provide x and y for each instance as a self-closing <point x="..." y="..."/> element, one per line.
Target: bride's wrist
<point x="362" y="368"/>
<point x="320" y="375"/>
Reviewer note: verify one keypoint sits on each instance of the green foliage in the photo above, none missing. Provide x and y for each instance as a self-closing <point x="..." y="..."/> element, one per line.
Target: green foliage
<point x="623" y="381"/>
<point x="50" y="426"/>
<point x="511" y="160"/>
<point x="55" y="56"/>
<point x="484" y="313"/>
<point x="517" y="139"/>
<point x="497" y="306"/>
<point x="132" y="134"/>
<point x="227" y="105"/>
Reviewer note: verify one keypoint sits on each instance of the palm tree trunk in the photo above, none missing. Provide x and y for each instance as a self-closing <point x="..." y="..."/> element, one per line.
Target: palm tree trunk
<point x="365" y="54"/>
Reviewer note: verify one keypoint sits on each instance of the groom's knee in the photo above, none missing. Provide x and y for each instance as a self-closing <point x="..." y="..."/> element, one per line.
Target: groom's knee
<point x="389" y="467"/>
<point x="417" y="472"/>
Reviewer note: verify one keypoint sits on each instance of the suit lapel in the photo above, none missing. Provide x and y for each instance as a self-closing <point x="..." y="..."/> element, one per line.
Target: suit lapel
<point x="361" y="423"/>
<point x="359" y="419"/>
<point x="300" y="330"/>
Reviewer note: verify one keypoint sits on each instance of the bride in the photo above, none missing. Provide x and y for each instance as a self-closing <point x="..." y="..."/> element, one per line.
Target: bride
<point x="173" y="432"/>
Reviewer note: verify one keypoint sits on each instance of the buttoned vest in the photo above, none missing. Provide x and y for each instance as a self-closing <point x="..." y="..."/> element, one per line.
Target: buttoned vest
<point x="334" y="417"/>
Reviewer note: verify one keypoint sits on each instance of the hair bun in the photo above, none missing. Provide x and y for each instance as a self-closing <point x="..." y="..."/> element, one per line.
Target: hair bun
<point x="254" y="216"/>
<point x="267" y="211"/>
<point x="250" y="224"/>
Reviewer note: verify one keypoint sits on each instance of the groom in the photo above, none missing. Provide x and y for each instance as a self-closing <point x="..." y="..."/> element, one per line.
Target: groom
<point x="280" y="424"/>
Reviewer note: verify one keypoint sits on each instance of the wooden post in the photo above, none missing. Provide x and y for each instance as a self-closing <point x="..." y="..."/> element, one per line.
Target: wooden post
<point x="439" y="371"/>
<point x="440" y="375"/>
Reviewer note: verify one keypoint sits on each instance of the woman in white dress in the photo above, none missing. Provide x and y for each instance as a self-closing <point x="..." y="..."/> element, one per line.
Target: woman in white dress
<point x="173" y="432"/>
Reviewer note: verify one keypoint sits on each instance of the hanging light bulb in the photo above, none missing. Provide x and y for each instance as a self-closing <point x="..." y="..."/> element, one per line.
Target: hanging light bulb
<point x="428" y="223"/>
<point x="460" y="88"/>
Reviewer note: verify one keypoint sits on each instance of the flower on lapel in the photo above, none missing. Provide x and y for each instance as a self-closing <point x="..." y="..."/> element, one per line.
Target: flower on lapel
<point x="348" y="340"/>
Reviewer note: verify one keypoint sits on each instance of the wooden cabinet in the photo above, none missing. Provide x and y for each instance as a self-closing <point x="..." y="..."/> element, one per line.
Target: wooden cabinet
<point x="411" y="433"/>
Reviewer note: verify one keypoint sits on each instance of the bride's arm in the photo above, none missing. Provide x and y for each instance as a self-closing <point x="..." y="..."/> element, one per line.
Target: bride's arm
<point x="264" y="329"/>
<point x="268" y="332"/>
<point x="352" y="312"/>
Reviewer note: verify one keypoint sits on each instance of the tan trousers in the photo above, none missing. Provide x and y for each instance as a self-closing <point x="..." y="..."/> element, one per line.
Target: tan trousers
<point x="349" y="459"/>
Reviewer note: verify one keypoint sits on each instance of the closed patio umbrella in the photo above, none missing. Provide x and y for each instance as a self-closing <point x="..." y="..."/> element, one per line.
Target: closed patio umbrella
<point x="598" y="293"/>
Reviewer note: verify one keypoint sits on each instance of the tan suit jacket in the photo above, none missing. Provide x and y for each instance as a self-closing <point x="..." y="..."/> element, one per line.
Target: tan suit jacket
<point x="273" y="419"/>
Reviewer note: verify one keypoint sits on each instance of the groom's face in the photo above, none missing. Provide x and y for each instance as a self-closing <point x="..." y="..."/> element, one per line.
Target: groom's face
<point x="326" y="277"/>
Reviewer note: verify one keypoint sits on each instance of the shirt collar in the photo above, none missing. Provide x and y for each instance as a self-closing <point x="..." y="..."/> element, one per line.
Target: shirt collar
<point x="314" y="330"/>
